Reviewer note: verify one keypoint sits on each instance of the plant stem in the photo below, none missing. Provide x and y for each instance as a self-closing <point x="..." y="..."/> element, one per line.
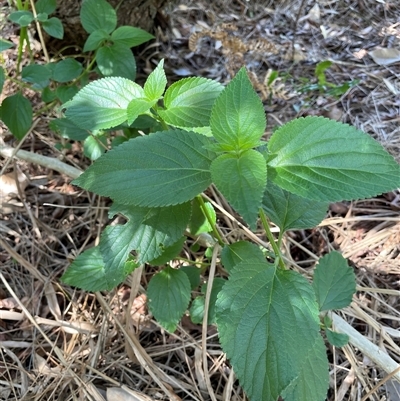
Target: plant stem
<point x="210" y="220"/>
<point x="40" y="33"/>
<point x="271" y="239"/>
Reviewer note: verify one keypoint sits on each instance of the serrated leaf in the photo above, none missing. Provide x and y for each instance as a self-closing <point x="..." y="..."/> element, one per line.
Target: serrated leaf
<point x="156" y="82"/>
<point x="87" y="272"/>
<point x="67" y="70"/>
<point x="5" y="44"/>
<point x="292" y="212"/>
<point x="95" y="40"/>
<point x="46" y="6"/>
<point x="198" y="304"/>
<point x="103" y="103"/>
<point x="168" y="253"/>
<point x="130" y="36"/>
<point x="142" y="172"/>
<point x="148" y="232"/>
<point x="98" y="14"/>
<point x="198" y="222"/>
<point x="242" y="180"/>
<point x="53" y="26"/>
<point x="326" y="160"/>
<point x="22" y="18"/>
<point x="268" y="325"/>
<point x="16" y="113"/>
<point x="238" y="116"/>
<point x="116" y="60"/>
<point x="334" y="282"/>
<point x="169" y="295"/>
<point x="336" y="339"/>
<point x="240" y="251"/>
<point x="188" y="102"/>
<point x="312" y="381"/>
<point x="137" y="107"/>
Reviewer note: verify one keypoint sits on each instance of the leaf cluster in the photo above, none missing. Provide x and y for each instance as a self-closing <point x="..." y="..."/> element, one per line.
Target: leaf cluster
<point x="176" y="142"/>
<point x="107" y="52"/>
<point x="203" y="134"/>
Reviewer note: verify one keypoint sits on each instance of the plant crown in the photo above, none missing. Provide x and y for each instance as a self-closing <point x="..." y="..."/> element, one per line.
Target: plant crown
<point x="201" y="133"/>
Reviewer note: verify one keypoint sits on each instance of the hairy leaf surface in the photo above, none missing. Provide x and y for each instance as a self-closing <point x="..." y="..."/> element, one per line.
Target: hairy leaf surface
<point x="156" y="82"/>
<point x="242" y="180"/>
<point x="325" y="160"/>
<point x="289" y="211"/>
<point x="269" y="327"/>
<point x="188" y="102"/>
<point x="334" y="282"/>
<point x="169" y="296"/>
<point x="238" y="116"/>
<point x="103" y="103"/>
<point x="162" y="169"/>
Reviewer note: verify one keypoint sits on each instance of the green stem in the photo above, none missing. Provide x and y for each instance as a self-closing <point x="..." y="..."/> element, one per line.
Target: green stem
<point x="210" y="220"/>
<point x="271" y="239"/>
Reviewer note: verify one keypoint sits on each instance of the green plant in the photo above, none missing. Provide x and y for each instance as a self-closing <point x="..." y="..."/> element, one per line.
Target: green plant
<point x="107" y="52"/>
<point x="323" y="85"/>
<point x="267" y="315"/>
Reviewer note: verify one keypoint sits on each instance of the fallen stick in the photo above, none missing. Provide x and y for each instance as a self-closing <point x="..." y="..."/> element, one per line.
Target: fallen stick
<point x="45" y="161"/>
<point x="372" y="351"/>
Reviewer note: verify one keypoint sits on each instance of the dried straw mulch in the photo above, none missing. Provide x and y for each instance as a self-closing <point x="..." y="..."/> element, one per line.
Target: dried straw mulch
<point x="59" y="343"/>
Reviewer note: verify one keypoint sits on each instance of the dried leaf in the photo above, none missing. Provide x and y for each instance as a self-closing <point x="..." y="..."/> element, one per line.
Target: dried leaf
<point x="384" y="56"/>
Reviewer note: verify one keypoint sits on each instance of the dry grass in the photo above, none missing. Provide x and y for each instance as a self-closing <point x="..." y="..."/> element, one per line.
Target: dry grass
<point x="59" y="343"/>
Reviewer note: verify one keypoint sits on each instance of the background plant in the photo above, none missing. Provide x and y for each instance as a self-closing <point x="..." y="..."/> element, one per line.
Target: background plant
<point x="106" y="52"/>
<point x="213" y="135"/>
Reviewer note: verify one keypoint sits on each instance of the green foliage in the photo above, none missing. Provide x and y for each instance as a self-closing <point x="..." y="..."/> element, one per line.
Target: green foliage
<point x="16" y="113"/>
<point x="169" y="296"/>
<point x="334" y="282"/>
<point x="324" y="160"/>
<point x="159" y="179"/>
<point x="241" y="179"/>
<point x="5" y="44"/>
<point x="198" y="305"/>
<point x="172" y="144"/>
<point x="267" y="316"/>
<point x="289" y="211"/>
<point x="60" y="80"/>
<point x="238" y="252"/>
<point x="199" y="222"/>
<point x="238" y="118"/>
<point x="256" y="313"/>
<point x="188" y="102"/>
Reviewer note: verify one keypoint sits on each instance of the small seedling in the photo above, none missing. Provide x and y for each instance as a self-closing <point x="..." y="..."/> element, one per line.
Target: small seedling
<point x="107" y="52"/>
